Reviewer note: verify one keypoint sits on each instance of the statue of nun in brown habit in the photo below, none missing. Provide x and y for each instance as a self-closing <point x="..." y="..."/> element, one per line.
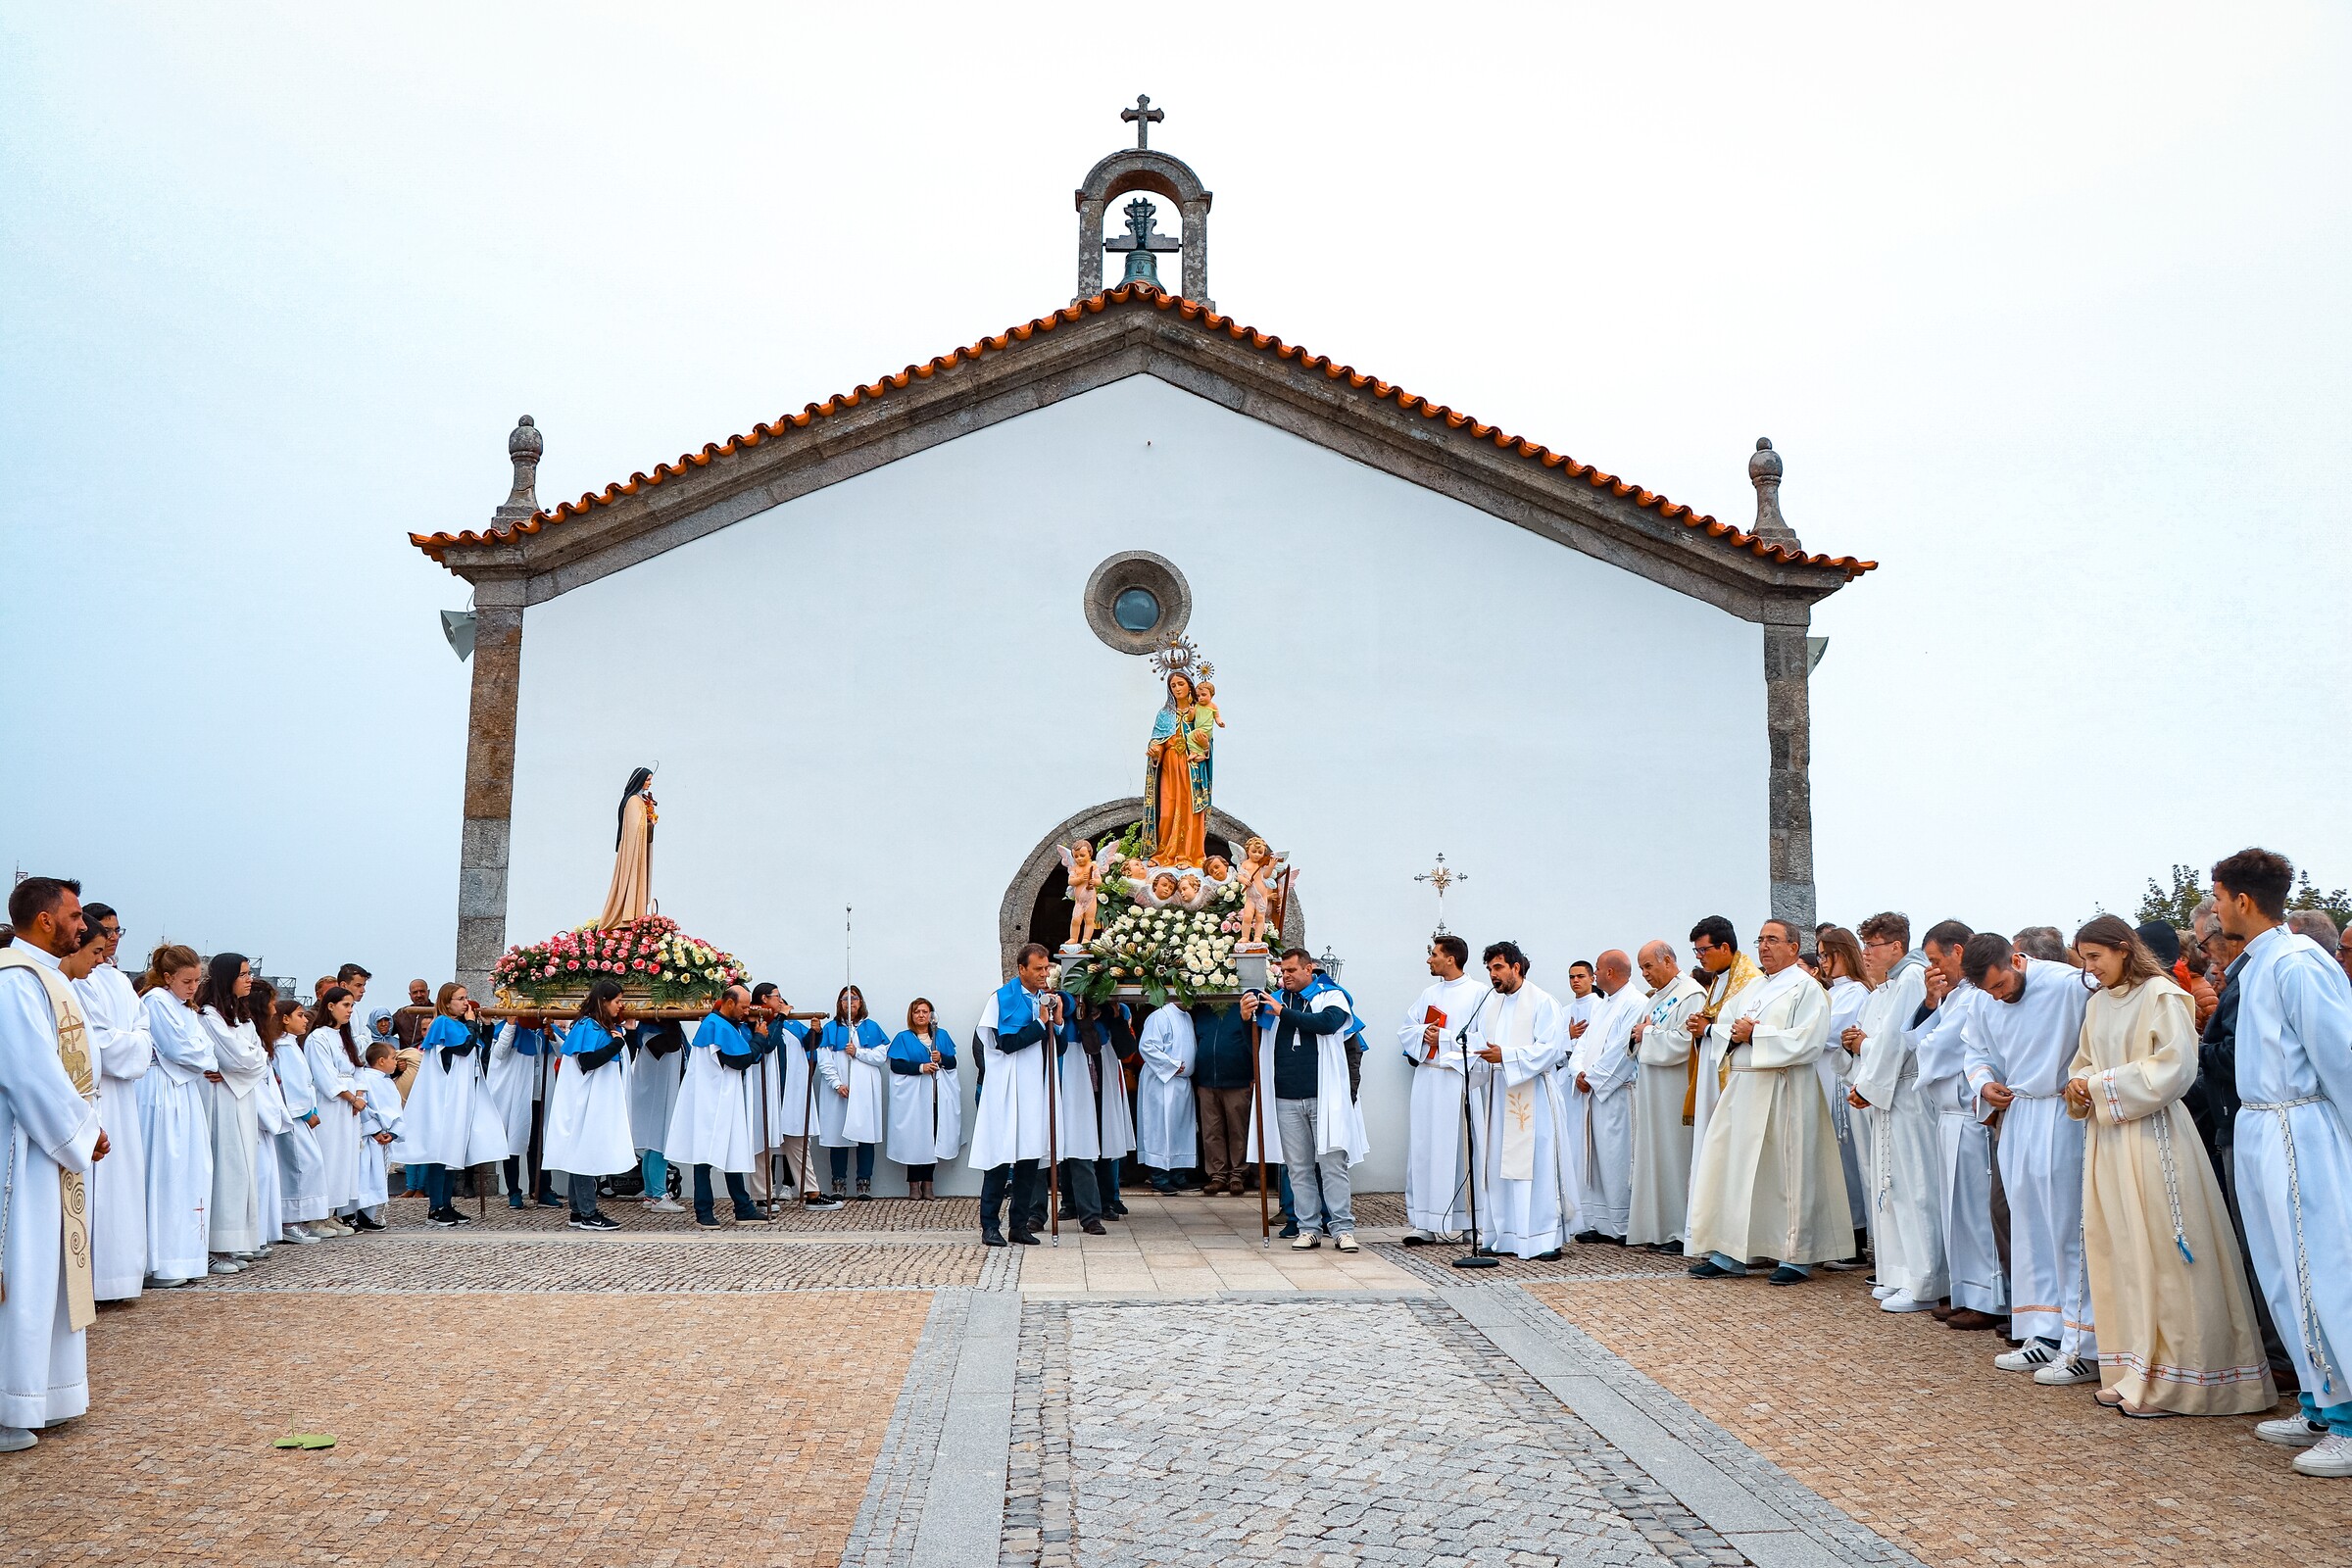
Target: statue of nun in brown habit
<point x="632" y="892"/>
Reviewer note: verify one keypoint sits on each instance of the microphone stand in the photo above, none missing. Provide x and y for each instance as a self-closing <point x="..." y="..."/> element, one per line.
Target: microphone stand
<point x="1461" y="1039"/>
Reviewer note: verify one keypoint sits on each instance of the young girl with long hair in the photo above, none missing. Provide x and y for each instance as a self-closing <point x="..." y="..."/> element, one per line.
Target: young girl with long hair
<point x="176" y="1118"/>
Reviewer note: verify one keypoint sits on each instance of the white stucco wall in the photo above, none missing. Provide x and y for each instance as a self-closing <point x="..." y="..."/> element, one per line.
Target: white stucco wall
<point x="883" y="693"/>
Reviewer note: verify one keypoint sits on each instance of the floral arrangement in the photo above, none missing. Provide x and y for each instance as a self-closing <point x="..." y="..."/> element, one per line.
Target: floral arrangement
<point x="1165" y="952"/>
<point x="651" y="958"/>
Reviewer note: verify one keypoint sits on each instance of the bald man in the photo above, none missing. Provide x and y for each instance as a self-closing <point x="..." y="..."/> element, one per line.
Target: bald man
<point x="1601" y="1110"/>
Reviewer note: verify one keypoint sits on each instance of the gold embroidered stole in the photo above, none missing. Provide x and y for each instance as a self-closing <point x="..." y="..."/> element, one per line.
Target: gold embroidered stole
<point x="1518" y="1163"/>
<point x="1721" y="989"/>
<point x="74" y="1054"/>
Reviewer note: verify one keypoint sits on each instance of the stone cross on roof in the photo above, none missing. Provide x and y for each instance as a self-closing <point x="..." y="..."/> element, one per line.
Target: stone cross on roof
<point x="1144" y="117"/>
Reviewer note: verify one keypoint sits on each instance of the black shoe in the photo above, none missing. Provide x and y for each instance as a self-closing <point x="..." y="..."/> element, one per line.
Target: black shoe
<point x="712" y="1224"/>
<point x="458" y="1217"/>
<point x="1494" y="1251"/>
<point x="515" y="1202"/>
<point x="443" y="1217"/>
<point x="1586" y="1238"/>
<point x="591" y="1222"/>
<point x="753" y="1216"/>
<point x="1024" y="1238"/>
<point x="821" y="1203"/>
<point x="1115" y="1212"/>
<point x="1665" y="1249"/>
<point x="1708" y="1269"/>
<point x="1067" y="1214"/>
<point x="1092" y="1227"/>
<point x="1552" y="1257"/>
<point x="550" y="1200"/>
<point x="991" y="1237"/>
<point x="1785" y="1275"/>
<point x="1290" y="1230"/>
<point x="364" y="1223"/>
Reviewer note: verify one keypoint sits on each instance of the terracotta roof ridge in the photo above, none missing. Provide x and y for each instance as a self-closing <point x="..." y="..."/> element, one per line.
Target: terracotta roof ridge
<point x="437" y="543"/>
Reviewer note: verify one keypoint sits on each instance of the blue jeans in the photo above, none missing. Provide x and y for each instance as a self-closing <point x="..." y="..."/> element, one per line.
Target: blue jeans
<point x="2336" y="1417"/>
<point x="436" y="1187"/>
<point x="1319" y="1190"/>
<point x="656" y="1170"/>
<point x="840" y="1158"/>
<point x="1106" y="1183"/>
<point x="704" y="1205"/>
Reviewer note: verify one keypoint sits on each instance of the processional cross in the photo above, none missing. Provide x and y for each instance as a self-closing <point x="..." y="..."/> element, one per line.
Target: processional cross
<point x="1442" y="876"/>
<point x="1144" y="117"/>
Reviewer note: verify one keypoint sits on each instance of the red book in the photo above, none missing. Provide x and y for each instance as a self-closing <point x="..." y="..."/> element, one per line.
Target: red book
<point x="1436" y="1015"/>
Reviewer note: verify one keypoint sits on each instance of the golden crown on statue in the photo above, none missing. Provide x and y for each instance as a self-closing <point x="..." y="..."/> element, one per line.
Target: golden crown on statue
<point x="1181" y="657"/>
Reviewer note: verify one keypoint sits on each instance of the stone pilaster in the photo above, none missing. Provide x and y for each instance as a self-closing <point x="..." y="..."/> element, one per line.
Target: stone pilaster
<point x="1788" y="789"/>
<point x="489" y="780"/>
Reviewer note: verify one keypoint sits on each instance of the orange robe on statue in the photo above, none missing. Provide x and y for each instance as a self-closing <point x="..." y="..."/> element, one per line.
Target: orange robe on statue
<point x="632" y="870"/>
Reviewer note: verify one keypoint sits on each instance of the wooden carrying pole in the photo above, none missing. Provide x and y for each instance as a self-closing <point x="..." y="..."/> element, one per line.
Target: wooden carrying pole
<point x="1052" y="1043"/>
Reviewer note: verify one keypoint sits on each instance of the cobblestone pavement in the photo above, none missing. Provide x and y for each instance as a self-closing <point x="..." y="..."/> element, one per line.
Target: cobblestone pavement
<point x="960" y="1214"/>
<point x="695" y="1432"/>
<point x="1266" y="1441"/>
<point x="381" y="1266"/>
<point x="1906" y="1426"/>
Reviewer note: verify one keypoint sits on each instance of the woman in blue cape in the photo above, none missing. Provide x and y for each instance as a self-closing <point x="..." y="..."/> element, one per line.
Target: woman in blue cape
<point x="587" y="1130"/>
<point x="926" y="1098"/>
<point x="852" y="1095"/>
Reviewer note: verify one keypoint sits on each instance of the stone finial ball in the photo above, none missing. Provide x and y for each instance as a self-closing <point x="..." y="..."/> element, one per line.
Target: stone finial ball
<point x="526" y="441"/>
<point x="1766" y="463"/>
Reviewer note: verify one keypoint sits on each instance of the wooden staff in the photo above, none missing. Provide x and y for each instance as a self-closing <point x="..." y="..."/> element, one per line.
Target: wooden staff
<point x="1052" y="1122"/>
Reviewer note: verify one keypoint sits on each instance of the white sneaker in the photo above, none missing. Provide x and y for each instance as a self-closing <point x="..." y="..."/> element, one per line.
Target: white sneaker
<point x="225" y="1265"/>
<point x="2066" y="1374"/>
<point x="1881" y="1291"/>
<point x="667" y="1205"/>
<point x="2332" y="1456"/>
<point x="2031" y="1356"/>
<point x="1307" y="1242"/>
<point x="2291" y="1432"/>
<point x="15" y="1439"/>
<point x="300" y="1238"/>
<point x="1904" y="1301"/>
<point x="1346" y="1241"/>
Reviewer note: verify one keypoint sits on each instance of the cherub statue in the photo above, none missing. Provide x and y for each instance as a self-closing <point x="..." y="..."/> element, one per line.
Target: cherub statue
<point x="1205" y="702"/>
<point x="1217" y="870"/>
<point x="1163" y="887"/>
<point x="1257" y="872"/>
<point x="1086" y="889"/>
<point x="1190" y="894"/>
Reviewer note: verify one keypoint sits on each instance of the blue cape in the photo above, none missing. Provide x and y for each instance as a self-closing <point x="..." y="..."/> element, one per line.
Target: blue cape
<point x="446" y="1031"/>
<point x="527" y="1042"/>
<point x="583" y="1037"/>
<point x="908" y="1046"/>
<point x="714" y="1030"/>
<point x="869" y="1034"/>
<point x="1315" y="988"/>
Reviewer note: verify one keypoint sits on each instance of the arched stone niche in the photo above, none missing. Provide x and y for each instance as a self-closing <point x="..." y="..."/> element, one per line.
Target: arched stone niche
<point x="1042" y="866"/>
<point x="1142" y="169"/>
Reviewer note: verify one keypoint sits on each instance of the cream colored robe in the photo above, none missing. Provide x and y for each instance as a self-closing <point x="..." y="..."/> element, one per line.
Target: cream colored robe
<point x="1768" y="1182"/>
<point x="2174" y="1334"/>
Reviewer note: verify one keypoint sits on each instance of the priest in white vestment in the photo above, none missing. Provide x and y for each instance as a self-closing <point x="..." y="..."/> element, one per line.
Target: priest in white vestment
<point x="1658" y="1203"/>
<point x="1728" y="973"/>
<point x="125" y="1052"/>
<point x="2020" y="1043"/>
<point x="1767" y="1181"/>
<point x="1434" y="1038"/>
<point x="1599" y="1079"/>
<point x="1905" y="1175"/>
<point x="2295" y="1149"/>
<point x="1978" y="1284"/>
<point x="1017" y="1121"/>
<point x="1527" y="1199"/>
<point x="1166" y="1124"/>
<point x="50" y="1141"/>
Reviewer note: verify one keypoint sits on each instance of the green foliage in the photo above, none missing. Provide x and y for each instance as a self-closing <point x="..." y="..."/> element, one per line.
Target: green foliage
<point x="2337" y="906"/>
<point x="2172" y="907"/>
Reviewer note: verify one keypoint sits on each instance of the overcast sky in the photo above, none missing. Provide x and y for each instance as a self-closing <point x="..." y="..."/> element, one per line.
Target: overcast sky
<point x="2045" y="307"/>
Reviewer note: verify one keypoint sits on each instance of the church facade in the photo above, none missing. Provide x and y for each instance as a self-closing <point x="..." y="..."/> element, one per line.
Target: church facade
<point x="891" y="650"/>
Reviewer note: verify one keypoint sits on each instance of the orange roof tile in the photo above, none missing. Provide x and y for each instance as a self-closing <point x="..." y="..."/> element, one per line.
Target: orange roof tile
<point x="1139" y="294"/>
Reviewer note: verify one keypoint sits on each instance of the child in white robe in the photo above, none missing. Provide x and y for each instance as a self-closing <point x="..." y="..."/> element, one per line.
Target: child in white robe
<point x="332" y="1054"/>
<point x="300" y="1169"/>
<point x="379" y="1133"/>
<point x="176" y="1119"/>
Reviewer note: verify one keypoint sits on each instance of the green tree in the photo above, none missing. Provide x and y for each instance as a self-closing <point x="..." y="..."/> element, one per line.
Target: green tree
<point x="2172" y="907"/>
<point x="2337" y="906"/>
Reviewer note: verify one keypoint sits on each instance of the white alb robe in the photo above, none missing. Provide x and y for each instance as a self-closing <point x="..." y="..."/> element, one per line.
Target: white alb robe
<point x="513" y="1080"/>
<point x="1659" y="1204"/>
<point x="46" y="1129"/>
<point x="790" y="1099"/>
<point x="452" y="1120"/>
<point x="1767" y="1181"/>
<point x="926" y="1115"/>
<point x="1708" y="1083"/>
<point x="1527" y="1188"/>
<point x="1835" y="1070"/>
<point x="1015" y="1116"/>
<point x="2294" y="1151"/>
<point x="233" y="1110"/>
<point x="1338" y="1121"/>
<point x="588" y="1130"/>
<point x="301" y="1167"/>
<point x="177" y="1133"/>
<point x="1972" y="1253"/>
<point x="863" y="1114"/>
<point x="371" y="1184"/>
<point x="124" y="1053"/>
<point x="333" y="1075"/>
<point x="1167" y="1126"/>
<point x="1437" y="1189"/>
<point x="1905" y="1174"/>
<point x="712" y="1122"/>
<point x="2028" y="1045"/>
<point x="654" y="1083"/>
<point x="1600" y="1124"/>
<point x="1094" y="1092"/>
